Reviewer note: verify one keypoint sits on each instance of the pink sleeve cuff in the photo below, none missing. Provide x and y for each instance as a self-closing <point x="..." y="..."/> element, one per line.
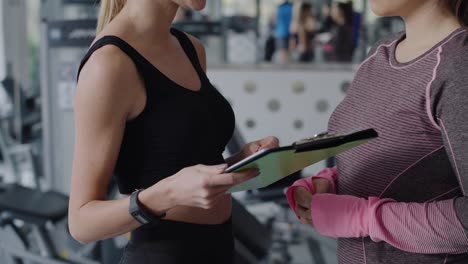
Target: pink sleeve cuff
<point x="344" y="215"/>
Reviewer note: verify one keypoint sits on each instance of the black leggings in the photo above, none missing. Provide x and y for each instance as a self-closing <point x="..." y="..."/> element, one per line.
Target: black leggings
<point x="174" y="242"/>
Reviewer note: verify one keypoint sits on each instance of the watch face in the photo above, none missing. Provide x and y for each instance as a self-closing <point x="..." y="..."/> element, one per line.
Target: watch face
<point x="135" y="209"/>
<point x="139" y="218"/>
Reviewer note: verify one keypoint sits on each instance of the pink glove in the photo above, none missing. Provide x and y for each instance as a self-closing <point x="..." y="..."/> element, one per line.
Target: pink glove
<point x="329" y="174"/>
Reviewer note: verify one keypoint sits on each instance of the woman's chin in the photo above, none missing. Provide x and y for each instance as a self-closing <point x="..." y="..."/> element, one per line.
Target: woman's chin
<point x="197" y="5"/>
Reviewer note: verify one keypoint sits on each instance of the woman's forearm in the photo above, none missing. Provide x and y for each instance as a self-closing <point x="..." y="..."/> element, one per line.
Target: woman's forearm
<point x="426" y="228"/>
<point x="98" y="220"/>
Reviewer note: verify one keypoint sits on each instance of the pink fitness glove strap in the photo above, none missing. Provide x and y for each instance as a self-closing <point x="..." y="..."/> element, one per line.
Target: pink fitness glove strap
<point x="329" y="174"/>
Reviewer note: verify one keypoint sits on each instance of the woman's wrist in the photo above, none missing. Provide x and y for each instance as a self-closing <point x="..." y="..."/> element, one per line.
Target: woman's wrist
<point x="159" y="198"/>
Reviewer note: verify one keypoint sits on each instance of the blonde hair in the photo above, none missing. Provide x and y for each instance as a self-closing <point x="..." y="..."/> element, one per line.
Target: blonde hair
<point x="108" y="10"/>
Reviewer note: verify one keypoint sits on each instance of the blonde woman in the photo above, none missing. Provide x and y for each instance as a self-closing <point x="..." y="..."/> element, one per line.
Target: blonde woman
<point x="146" y="112"/>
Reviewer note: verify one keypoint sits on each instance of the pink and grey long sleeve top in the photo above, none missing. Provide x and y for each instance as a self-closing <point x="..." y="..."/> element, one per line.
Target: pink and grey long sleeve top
<point x="401" y="198"/>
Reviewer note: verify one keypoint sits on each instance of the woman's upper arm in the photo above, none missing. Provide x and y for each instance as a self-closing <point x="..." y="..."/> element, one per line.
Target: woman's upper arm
<point x="104" y="100"/>
<point x="450" y="101"/>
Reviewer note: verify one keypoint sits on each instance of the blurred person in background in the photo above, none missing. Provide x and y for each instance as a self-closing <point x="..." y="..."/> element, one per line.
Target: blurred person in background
<point x="357" y="27"/>
<point x="327" y="22"/>
<point x="340" y="47"/>
<point x="270" y="45"/>
<point x="284" y="14"/>
<point x="302" y="32"/>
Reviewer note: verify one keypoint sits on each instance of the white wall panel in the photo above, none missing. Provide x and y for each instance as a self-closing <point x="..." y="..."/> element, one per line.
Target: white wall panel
<point x="277" y="101"/>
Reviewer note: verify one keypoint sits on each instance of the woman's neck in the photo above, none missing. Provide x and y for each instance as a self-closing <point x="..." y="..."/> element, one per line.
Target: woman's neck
<point x="428" y="17"/>
<point x="151" y="19"/>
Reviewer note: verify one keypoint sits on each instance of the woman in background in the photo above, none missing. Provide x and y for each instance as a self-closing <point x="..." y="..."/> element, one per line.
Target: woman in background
<point x="302" y="33"/>
<point x="283" y="18"/>
<point x="327" y="22"/>
<point x="340" y="47"/>
<point x="401" y="198"/>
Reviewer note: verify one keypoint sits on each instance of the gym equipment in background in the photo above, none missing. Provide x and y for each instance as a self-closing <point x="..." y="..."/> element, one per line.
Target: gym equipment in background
<point x="28" y="214"/>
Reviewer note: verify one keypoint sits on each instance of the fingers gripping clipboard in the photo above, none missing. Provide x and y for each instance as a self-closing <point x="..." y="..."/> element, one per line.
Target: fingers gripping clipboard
<point x="277" y="163"/>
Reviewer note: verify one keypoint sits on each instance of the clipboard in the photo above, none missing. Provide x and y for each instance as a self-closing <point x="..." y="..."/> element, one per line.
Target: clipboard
<point x="277" y="163"/>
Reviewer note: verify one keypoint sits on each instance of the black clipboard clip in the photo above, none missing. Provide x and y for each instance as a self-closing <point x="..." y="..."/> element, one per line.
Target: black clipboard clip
<point x="328" y="140"/>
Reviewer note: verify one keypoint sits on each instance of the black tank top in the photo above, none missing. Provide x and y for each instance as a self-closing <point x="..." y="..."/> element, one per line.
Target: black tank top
<point x="178" y="127"/>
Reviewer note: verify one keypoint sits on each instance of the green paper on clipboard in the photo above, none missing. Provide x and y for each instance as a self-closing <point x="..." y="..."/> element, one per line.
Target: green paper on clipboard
<point x="278" y="163"/>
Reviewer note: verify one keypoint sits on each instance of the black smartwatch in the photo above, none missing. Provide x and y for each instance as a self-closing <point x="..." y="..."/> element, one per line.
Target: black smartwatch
<point x="141" y="214"/>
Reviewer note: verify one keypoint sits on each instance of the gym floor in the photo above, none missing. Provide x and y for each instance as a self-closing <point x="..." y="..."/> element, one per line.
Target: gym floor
<point x="304" y="244"/>
<point x="310" y="243"/>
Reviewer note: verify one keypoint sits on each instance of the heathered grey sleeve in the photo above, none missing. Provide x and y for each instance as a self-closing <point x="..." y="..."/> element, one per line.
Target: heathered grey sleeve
<point x="450" y="107"/>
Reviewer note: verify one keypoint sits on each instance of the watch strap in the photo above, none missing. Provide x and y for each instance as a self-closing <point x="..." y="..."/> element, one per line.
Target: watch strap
<point x="139" y="212"/>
